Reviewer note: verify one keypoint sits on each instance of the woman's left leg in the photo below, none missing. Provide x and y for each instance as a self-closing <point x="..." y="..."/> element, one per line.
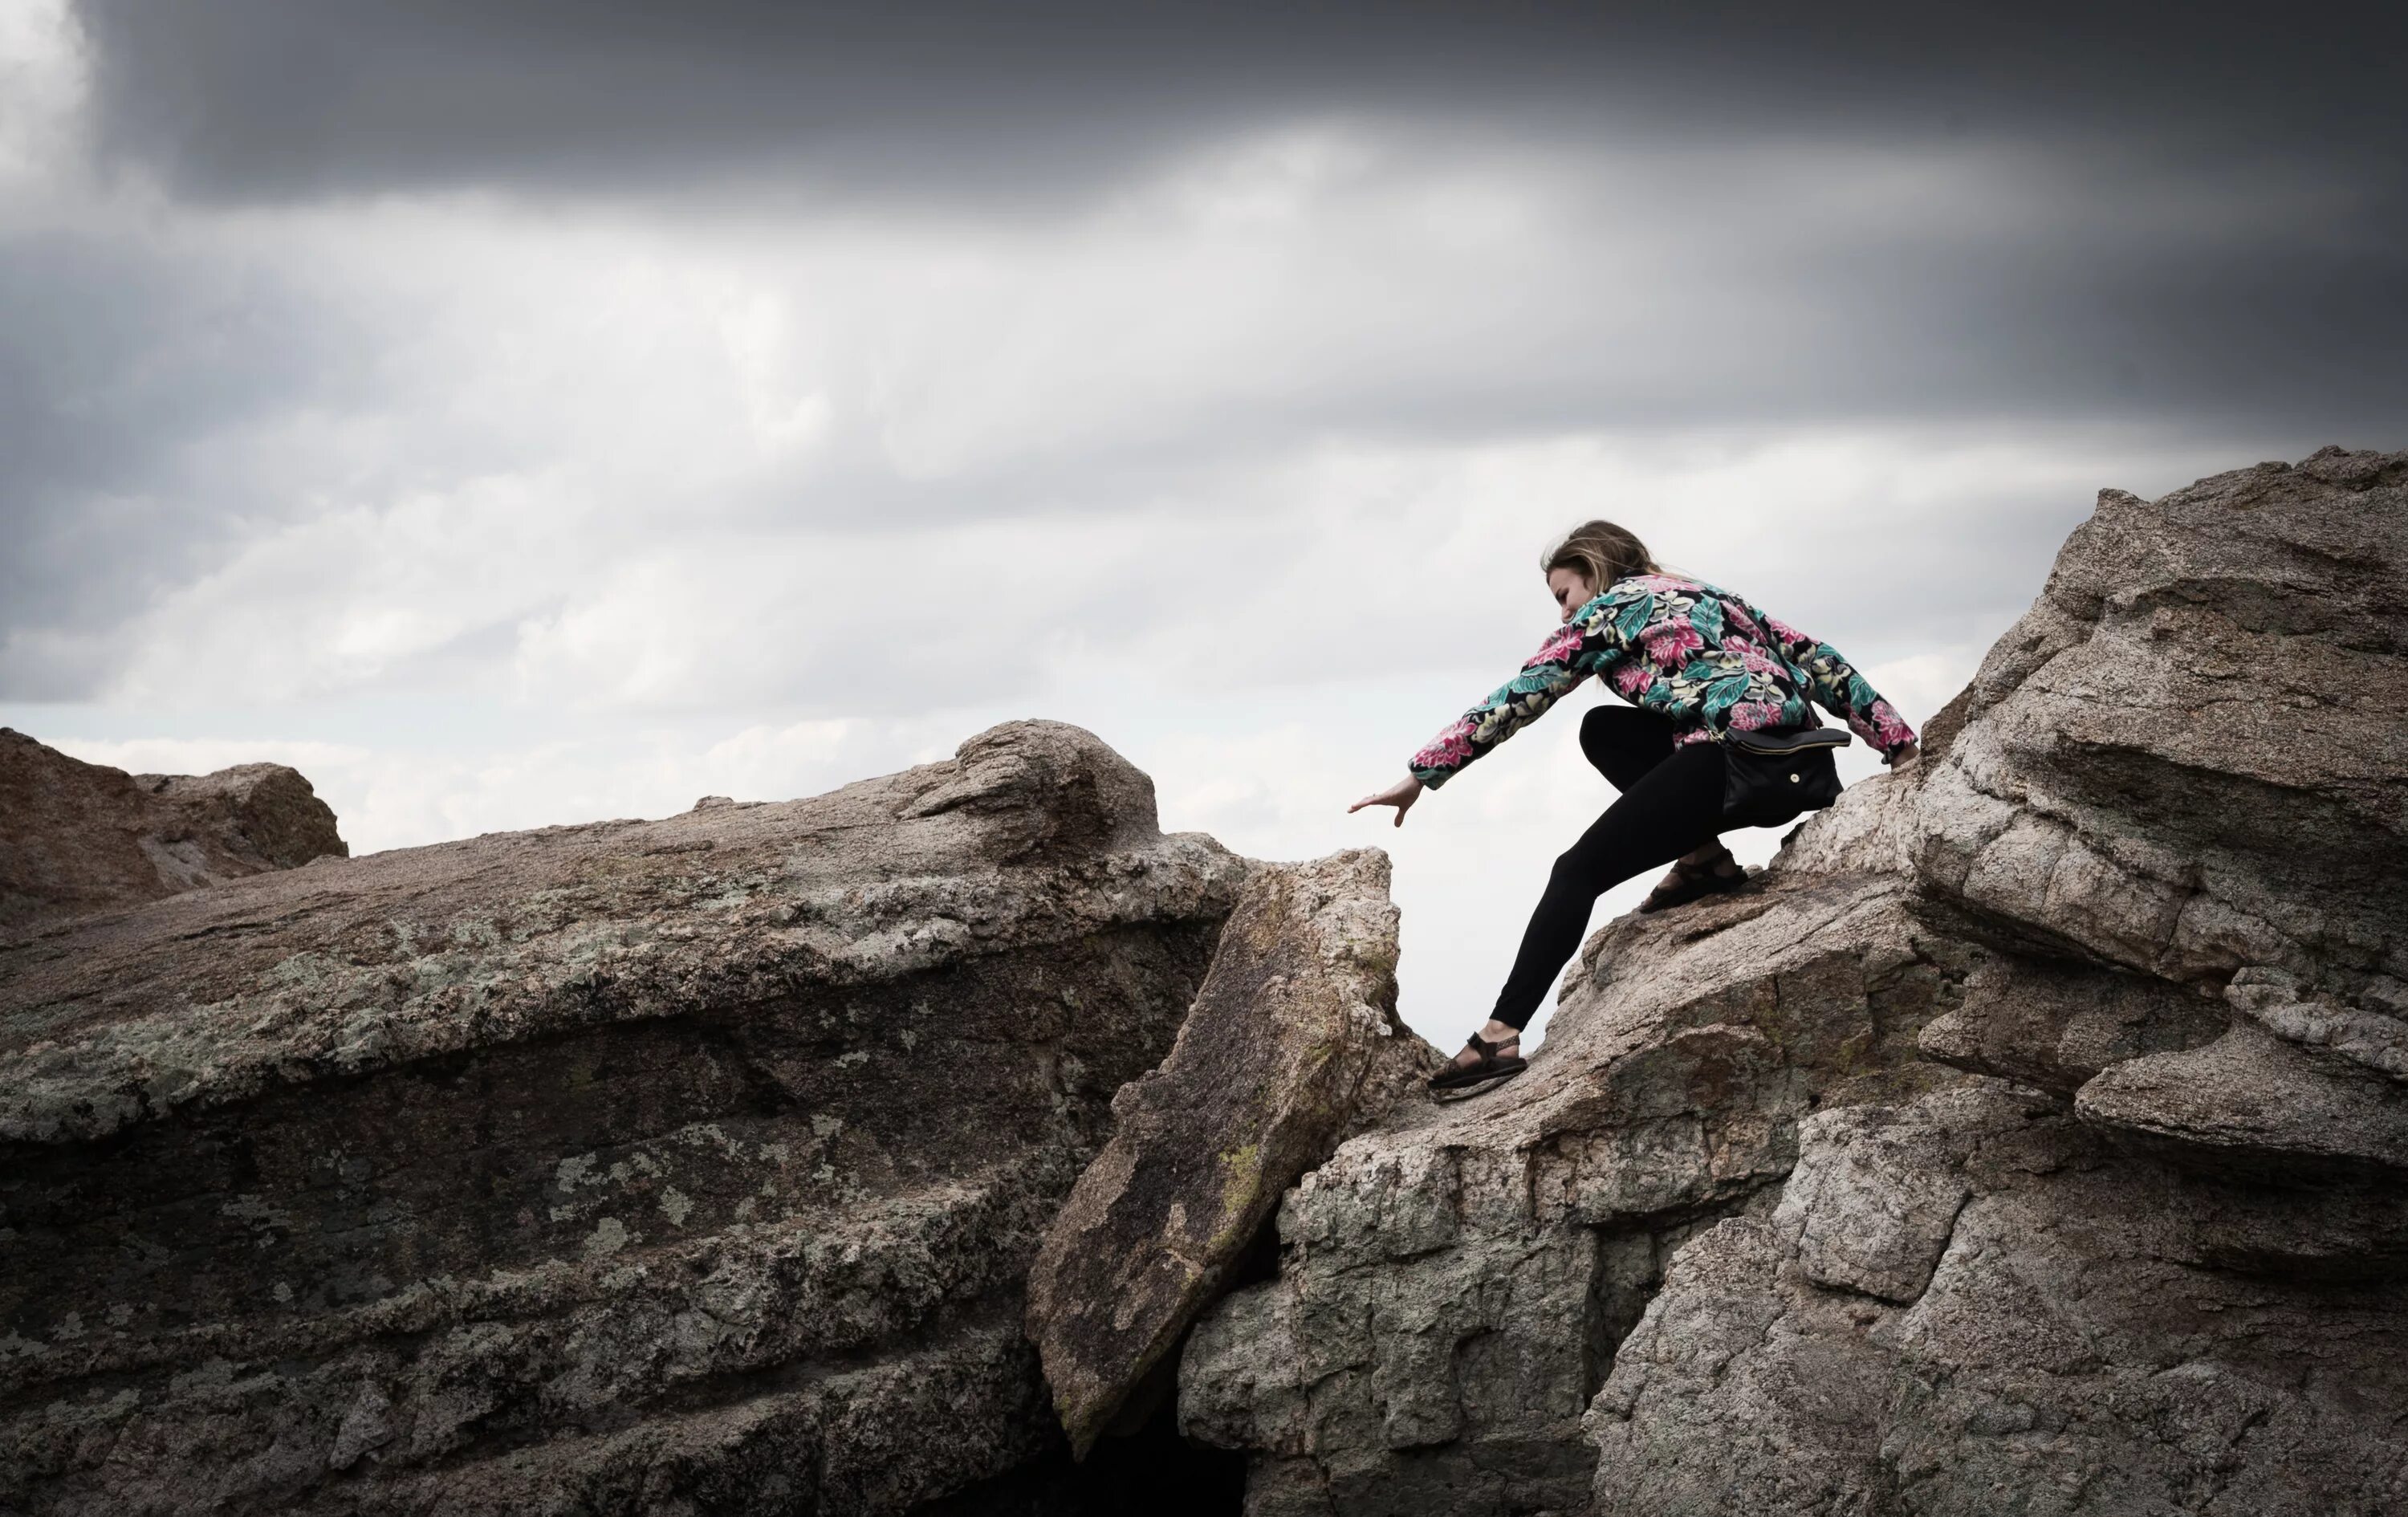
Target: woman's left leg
<point x="1674" y="808"/>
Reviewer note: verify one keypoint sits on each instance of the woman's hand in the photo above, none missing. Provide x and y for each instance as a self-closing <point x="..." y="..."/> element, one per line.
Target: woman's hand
<point x="1904" y="756"/>
<point x="1401" y="796"/>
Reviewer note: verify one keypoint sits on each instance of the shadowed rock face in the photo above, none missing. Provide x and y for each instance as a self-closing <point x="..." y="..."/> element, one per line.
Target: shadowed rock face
<point x="1292" y="1044"/>
<point x="639" y="1167"/>
<point x="2034" y="1133"/>
<point x="77" y="837"/>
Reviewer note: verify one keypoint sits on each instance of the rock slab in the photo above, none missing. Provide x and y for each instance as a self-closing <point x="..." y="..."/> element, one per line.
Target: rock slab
<point x="1292" y="1044"/>
<point x="678" y="1166"/>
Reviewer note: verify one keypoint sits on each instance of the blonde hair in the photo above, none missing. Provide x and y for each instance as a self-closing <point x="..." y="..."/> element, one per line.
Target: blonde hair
<point x="1601" y="550"/>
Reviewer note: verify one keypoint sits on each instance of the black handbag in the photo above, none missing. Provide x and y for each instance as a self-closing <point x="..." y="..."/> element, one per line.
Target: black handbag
<point x="1770" y="778"/>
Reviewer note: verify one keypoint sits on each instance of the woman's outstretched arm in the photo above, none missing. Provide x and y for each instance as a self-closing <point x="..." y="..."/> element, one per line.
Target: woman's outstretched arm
<point x="1835" y="684"/>
<point x="1591" y="642"/>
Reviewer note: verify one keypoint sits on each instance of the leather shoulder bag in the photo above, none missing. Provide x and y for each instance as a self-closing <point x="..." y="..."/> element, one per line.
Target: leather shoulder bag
<point x="1770" y="778"/>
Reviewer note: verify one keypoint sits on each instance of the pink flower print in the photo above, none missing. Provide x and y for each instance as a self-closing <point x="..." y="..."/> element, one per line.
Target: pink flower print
<point x="1783" y="633"/>
<point x="1753" y="716"/>
<point x="1759" y="661"/>
<point x="1889" y="728"/>
<point x="1630" y="678"/>
<point x="1449" y="749"/>
<point x="1560" y="648"/>
<point x="1671" y="643"/>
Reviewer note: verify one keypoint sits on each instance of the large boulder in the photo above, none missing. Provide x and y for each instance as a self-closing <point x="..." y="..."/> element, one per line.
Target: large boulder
<point x="78" y="837"/>
<point x="2187" y="759"/>
<point x="2028" y="1137"/>
<point x="1292" y="1044"/>
<point x="678" y="1166"/>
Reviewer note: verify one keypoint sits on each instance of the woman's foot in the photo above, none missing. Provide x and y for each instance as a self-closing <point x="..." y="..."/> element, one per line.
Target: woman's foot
<point x="1708" y="870"/>
<point x="1484" y="1059"/>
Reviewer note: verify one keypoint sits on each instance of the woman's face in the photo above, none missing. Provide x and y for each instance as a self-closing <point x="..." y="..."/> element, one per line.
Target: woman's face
<point x="1571" y="590"/>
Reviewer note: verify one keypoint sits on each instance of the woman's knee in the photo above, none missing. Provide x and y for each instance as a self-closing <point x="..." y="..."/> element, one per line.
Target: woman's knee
<point x="1575" y="874"/>
<point x="1624" y="743"/>
<point x="1604" y="729"/>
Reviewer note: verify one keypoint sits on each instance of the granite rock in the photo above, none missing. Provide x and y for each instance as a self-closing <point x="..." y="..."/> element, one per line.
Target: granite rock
<point x="2064" y="1327"/>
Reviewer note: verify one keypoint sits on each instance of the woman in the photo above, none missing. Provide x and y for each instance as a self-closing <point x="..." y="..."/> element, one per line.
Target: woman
<point x="1698" y="663"/>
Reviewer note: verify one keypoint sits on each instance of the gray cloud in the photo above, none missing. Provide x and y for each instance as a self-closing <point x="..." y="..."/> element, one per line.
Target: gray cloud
<point x="248" y="98"/>
<point x="122" y="365"/>
<point x="2289" y="118"/>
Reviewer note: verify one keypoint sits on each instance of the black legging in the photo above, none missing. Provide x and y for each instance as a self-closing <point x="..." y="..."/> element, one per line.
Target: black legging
<point x="1671" y="804"/>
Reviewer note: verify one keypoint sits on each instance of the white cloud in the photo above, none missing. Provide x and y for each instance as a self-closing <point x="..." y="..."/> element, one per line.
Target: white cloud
<point x="45" y="81"/>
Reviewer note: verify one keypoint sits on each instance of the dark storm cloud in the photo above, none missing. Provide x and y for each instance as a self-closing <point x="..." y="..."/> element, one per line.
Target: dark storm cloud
<point x="1010" y="111"/>
<point x="263" y="98"/>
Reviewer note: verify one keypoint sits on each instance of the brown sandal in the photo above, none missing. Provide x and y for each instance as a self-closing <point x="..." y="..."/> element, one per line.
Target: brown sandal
<point x="1458" y="1076"/>
<point x="1687" y="883"/>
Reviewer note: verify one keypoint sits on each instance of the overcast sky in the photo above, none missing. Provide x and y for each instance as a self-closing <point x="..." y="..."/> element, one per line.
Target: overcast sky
<point x="522" y="413"/>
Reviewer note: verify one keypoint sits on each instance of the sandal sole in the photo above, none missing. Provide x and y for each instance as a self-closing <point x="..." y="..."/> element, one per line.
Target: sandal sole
<point x="1720" y="887"/>
<point x="1473" y="1087"/>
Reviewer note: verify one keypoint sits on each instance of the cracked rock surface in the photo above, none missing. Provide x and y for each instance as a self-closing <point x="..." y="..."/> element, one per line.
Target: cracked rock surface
<point x="643" y="1166"/>
<point x="2033" y="1137"/>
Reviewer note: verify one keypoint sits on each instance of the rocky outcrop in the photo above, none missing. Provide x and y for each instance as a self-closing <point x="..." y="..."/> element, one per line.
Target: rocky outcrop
<point x="78" y="837"/>
<point x="2032" y="1135"/>
<point x="1292" y="1044"/>
<point x="691" y="1164"/>
<point x="2029" y="1136"/>
<point x="1451" y="1287"/>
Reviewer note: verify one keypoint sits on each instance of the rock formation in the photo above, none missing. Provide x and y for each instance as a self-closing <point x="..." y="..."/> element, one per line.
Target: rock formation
<point x="2032" y="1136"/>
<point x="677" y="1166"/>
<point x="78" y="837"/>
<point x="2029" y="1137"/>
<point x="1292" y="1044"/>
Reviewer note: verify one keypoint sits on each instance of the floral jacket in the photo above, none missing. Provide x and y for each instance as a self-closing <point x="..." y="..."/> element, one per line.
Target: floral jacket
<point x="1701" y="656"/>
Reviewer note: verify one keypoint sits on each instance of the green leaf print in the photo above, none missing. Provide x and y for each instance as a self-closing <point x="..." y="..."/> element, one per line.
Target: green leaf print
<point x="1724" y="693"/>
<point x="1634" y="617"/>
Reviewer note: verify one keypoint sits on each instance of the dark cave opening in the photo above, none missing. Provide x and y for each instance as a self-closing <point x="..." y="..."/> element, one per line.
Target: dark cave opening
<point x="1153" y="1471"/>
